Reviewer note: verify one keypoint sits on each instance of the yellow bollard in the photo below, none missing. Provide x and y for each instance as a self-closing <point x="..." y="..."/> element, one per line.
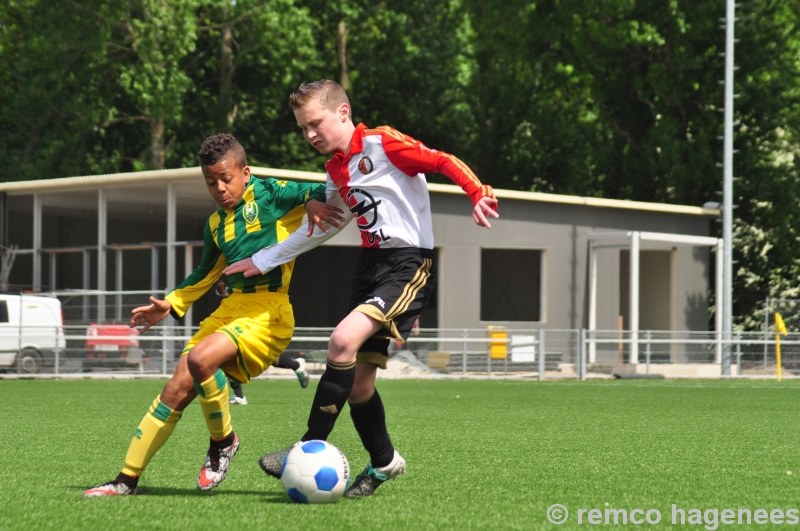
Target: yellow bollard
<point x="781" y="328"/>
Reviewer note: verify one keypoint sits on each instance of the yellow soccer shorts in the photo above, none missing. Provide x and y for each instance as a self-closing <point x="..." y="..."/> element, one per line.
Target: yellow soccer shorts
<point x="260" y="324"/>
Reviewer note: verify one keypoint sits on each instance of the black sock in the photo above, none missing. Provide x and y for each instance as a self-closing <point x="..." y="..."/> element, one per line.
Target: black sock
<point x="370" y="421"/>
<point x="224" y="443"/>
<point x="332" y="392"/>
<point x="130" y="481"/>
<point x="237" y="387"/>
<point x="285" y="361"/>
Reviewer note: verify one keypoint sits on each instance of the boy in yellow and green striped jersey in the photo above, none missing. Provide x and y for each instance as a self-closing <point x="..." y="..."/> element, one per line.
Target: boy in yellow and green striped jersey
<point x="251" y="327"/>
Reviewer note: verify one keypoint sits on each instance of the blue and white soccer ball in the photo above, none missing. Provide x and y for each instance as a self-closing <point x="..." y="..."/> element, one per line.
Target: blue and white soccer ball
<point x="315" y="472"/>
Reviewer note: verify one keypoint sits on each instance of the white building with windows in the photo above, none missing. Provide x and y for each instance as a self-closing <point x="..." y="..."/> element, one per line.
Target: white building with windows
<point x="550" y="261"/>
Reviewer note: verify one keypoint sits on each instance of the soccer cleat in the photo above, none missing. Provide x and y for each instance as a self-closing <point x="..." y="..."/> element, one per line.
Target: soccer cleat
<point x="272" y="463"/>
<point x="372" y="478"/>
<point x="302" y="373"/>
<point x="112" y="488"/>
<point x="216" y="466"/>
<point x="237" y="400"/>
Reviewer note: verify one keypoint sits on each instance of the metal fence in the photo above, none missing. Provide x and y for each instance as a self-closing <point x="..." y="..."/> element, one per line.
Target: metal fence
<point x="95" y="339"/>
<point x="568" y="354"/>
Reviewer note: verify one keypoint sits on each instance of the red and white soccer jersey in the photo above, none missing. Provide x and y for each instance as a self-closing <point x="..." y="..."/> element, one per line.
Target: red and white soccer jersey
<point x="381" y="180"/>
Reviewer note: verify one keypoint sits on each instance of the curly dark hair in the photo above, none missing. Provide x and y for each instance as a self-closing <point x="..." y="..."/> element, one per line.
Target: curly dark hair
<point x="222" y="146"/>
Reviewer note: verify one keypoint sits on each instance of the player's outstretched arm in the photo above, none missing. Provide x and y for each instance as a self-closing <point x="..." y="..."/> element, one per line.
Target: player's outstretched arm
<point x="308" y="236"/>
<point x="156" y="311"/>
<point x="484" y="208"/>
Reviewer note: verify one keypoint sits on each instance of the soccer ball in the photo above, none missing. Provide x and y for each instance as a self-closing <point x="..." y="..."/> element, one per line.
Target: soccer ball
<point x="315" y="472"/>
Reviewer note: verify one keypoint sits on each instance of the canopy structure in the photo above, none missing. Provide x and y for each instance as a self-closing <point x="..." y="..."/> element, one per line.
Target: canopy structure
<point x="637" y="241"/>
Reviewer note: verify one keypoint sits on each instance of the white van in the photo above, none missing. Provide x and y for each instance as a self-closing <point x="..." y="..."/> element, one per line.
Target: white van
<point x="31" y="328"/>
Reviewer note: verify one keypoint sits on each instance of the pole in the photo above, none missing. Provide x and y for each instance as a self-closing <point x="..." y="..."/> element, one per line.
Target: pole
<point x="727" y="189"/>
<point x="37" y="243"/>
<point x="3" y="220"/>
<point x="592" y="299"/>
<point x="738" y="354"/>
<point x="780" y="328"/>
<point x="464" y="355"/>
<point x="53" y="271"/>
<point x="634" y="297"/>
<point x="171" y="229"/>
<point x="102" y="263"/>
<point x="766" y="331"/>
<point x="582" y="354"/>
<point x="164" y="351"/>
<point x="542" y="343"/>
<point x="718" y="323"/>
<point x="154" y="269"/>
<point x="87" y="278"/>
<point x="119" y="286"/>
<point x="188" y="267"/>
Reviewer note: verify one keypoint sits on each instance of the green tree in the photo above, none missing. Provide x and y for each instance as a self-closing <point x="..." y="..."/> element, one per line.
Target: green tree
<point x="250" y="54"/>
<point x="54" y="87"/>
<point x="158" y="37"/>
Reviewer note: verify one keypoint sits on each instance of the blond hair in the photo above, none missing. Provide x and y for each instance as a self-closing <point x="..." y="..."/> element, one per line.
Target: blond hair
<point x="330" y="94"/>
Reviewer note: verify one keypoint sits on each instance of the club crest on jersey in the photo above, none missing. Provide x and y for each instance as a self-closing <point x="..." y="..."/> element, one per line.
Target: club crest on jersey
<point x="363" y="206"/>
<point x="365" y="165"/>
<point x="250" y="212"/>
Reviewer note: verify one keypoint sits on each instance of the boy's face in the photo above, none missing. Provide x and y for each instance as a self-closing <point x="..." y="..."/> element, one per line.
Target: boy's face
<point x="226" y="182"/>
<point x="326" y="130"/>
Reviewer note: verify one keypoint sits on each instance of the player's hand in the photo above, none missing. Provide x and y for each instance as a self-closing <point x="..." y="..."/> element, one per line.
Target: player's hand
<point x="320" y="213"/>
<point x="245" y="266"/>
<point x="484" y="208"/>
<point x="155" y="312"/>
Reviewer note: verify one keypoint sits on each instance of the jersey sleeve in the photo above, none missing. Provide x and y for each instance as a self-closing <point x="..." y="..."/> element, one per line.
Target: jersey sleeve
<point x="202" y="278"/>
<point x="298" y="242"/>
<point x="413" y="157"/>
<point x="293" y="194"/>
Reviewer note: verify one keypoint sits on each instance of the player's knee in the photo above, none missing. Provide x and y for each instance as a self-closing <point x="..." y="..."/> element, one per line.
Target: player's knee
<point x="199" y="363"/>
<point x="341" y="346"/>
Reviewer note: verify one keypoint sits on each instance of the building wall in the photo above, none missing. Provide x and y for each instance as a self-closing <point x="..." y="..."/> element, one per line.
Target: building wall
<point x="560" y="231"/>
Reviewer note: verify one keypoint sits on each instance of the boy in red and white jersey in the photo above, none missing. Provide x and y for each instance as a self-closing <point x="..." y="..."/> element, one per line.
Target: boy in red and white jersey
<point x="379" y="176"/>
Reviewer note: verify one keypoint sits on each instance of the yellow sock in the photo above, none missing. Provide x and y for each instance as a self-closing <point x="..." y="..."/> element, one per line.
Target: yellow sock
<point x="152" y="433"/>
<point x="213" y="396"/>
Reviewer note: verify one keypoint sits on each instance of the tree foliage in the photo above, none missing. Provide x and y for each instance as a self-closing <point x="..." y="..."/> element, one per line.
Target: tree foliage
<point x="606" y="98"/>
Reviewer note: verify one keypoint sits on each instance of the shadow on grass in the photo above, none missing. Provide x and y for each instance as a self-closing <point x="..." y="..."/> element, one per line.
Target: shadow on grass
<point x="269" y="497"/>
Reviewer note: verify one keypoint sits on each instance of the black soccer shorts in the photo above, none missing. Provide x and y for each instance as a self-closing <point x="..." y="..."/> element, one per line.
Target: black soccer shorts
<point x="392" y="286"/>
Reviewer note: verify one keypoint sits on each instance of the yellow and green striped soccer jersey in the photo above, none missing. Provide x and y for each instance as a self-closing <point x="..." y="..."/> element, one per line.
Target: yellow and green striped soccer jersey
<point x="268" y="212"/>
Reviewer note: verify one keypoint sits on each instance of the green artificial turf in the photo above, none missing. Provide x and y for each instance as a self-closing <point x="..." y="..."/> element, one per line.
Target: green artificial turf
<point x="481" y="454"/>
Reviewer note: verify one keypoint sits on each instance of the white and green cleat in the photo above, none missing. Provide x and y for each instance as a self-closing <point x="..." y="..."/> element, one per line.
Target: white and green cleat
<point x="370" y="479"/>
<point x="302" y="373"/>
